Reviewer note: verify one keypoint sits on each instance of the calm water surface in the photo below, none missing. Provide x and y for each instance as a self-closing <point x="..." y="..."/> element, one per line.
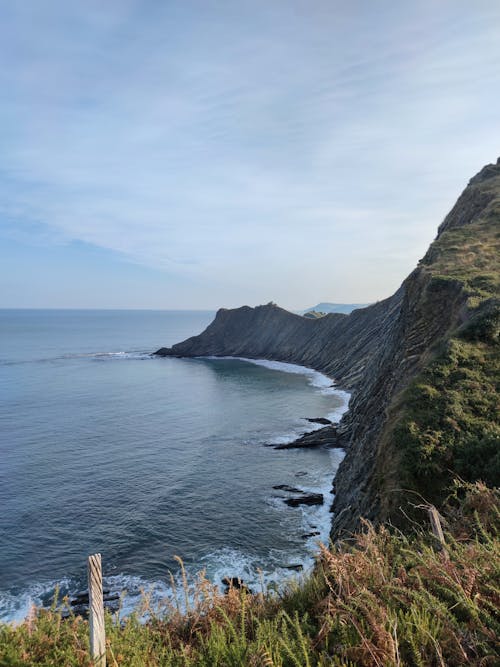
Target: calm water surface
<point x="105" y="448"/>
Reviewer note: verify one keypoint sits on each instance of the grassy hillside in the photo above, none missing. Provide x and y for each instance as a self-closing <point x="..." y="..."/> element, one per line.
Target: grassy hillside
<point x="447" y="421"/>
<point x="385" y="600"/>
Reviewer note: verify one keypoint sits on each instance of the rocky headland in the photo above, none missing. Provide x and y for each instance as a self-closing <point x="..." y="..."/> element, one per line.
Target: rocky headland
<point x="444" y="314"/>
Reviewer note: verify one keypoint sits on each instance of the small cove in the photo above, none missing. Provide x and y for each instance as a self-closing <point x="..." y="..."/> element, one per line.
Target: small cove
<point x="108" y="449"/>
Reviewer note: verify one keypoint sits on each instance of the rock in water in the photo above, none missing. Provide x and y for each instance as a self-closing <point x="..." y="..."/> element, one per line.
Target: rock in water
<point x="306" y="499"/>
<point x="285" y="487"/>
<point x="318" y="420"/>
<point x="237" y="583"/>
<point x="298" y="567"/>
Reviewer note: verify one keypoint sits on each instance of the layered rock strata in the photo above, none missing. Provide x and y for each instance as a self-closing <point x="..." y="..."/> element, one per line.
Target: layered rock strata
<point x="373" y="352"/>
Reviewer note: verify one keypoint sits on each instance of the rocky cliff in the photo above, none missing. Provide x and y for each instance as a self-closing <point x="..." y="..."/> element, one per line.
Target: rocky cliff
<point x="338" y="345"/>
<point x="379" y="353"/>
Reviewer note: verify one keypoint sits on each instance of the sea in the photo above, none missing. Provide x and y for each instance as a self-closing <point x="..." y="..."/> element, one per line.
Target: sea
<point x="106" y="448"/>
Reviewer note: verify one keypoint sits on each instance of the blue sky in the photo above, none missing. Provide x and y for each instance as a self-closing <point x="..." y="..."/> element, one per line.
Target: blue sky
<point x="158" y="154"/>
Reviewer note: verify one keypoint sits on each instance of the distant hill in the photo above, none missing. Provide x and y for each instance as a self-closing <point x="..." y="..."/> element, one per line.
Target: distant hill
<point x="326" y="307"/>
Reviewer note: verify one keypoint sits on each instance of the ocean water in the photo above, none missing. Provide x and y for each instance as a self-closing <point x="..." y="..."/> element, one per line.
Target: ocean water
<point x="104" y="448"/>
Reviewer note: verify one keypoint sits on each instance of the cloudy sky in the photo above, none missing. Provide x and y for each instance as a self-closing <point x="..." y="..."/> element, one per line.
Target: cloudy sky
<point x="196" y="154"/>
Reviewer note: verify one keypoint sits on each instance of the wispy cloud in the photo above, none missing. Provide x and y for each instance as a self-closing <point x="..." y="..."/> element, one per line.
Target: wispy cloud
<point x="207" y="138"/>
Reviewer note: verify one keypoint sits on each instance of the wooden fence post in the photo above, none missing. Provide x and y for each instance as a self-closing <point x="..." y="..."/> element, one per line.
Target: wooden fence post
<point x="437" y="529"/>
<point x="96" y="611"/>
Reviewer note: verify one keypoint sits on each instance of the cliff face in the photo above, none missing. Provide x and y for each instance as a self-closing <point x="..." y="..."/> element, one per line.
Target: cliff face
<point x="379" y="351"/>
<point x="338" y="345"/>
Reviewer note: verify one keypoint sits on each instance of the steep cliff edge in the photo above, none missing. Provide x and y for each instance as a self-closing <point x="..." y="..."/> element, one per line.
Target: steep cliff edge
<point x="422" y="366"/>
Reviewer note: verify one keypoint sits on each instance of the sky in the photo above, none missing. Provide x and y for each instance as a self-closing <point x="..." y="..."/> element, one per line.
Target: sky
<point x="198" y="154"/>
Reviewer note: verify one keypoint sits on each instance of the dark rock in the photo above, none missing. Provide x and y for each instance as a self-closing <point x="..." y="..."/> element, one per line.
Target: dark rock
<point x="306" y="536"/>
<point x="285" y="487"/>
<point x="323" y="437"/>
<point x="82" y="599"/>
<point x="81" y="596"/>
<point x="318" y="420"/>
<point x="301" y="473"/>
<point x="298" y="567"/>
<point x="306" y="499"/>
<point x="79" y="603"/>
<point x="77" y="610"/>
<point x="112" y="606"/>
<point x="235" y="582"/>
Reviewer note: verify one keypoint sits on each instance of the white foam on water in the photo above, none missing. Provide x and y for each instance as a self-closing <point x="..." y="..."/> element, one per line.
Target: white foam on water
<point x="318" y="517"/>
<point x="157" y="597"/>
<point x="315" y="518"/>
<point x="259" y="573"/>
<point x="119" y="355"/>
<point x="16" y="607"/>
<point x="99" y="356"/>
<point x="272" y="572"/>
<point x="256" y="572"/>
<point x="316" y="379"/>
<point x="336" y="415"/>
<point x="135" y="591"/>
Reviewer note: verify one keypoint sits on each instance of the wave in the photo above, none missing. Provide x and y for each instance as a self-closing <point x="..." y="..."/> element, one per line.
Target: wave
<point x="99" y="356"/>
<point x="110" y="355"/>
<point x="144" y="596"/>
<point x="316" y="378"/>
<point x="270" y="572"/>
<point x="336" y="415"/>
<point x="15" y="607"/>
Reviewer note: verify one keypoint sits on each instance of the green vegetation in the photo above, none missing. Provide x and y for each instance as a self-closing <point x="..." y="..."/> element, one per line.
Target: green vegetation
<point x="314" y="314"/>
<point x="384" y="600"/>
<point x="450" y="425"/>
<point x="447" y="424"/>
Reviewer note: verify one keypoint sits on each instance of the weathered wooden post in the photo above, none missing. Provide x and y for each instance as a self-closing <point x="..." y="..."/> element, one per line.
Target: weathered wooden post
<point x="96" y="611"/>
<point x="437" y="529"/>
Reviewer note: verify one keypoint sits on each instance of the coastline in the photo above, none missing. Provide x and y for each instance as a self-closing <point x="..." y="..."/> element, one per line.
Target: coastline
<point x="318" y="379"/>
<point x="278" y="567"/>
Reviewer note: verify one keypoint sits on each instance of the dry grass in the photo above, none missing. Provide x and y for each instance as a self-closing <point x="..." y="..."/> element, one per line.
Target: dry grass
<point x="385" y="600"/>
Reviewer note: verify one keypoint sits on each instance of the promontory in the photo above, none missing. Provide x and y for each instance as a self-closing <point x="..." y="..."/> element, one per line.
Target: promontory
<point x="422" y="367"/>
